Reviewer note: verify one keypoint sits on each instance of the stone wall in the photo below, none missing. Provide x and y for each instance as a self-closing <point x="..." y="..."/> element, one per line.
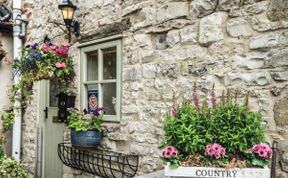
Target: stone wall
<point x="173" y="43"/>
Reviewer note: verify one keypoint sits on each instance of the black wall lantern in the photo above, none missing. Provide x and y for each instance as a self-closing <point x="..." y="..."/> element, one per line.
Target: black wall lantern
<point x="67" y="9"/>
<point x="64" y="102"/>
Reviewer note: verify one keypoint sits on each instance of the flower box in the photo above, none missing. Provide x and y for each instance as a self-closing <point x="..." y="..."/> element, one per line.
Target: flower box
<point x="207" y="172"/>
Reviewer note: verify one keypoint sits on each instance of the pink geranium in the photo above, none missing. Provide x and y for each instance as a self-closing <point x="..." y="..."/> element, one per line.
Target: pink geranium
<point x="262" y="150"/>
<point x="60" y="65"/>
<point x="215" y="150"/>
<point x="170" y="152"/>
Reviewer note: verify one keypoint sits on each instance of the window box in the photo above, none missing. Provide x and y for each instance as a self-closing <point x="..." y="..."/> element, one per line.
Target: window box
<point x="207" y="172"/>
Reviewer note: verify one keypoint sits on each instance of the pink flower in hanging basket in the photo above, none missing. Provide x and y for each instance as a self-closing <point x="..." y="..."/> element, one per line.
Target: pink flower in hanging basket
<point x="60" y="65"/>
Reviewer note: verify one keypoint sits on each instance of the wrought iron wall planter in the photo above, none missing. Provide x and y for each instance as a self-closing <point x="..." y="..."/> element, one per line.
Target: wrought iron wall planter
<point x="101" y="163"/>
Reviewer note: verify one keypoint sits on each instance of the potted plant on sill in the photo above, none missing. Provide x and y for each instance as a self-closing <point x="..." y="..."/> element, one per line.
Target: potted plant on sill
<point x="85" y="127"/>
<point x="225" y="140"/>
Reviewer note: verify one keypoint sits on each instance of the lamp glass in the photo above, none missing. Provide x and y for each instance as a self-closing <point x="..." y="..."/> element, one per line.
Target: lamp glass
<point x="68" y="13"/>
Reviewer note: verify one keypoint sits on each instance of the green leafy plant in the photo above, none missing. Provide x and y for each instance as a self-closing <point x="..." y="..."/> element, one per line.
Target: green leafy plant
<point x="190" y="132"/>
<point x="192" y="129"/>
<point x="11" y="168"/>
<point x="235" y="128"/>
<point x="7" y="120"/>
<point x="83" y="121"/>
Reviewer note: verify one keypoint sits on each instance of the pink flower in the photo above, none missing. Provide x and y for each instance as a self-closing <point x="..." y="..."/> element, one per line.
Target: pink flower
<point x="174" y="154"/>
<point x="217" y="155"/>
<point x="169" y="152"/>
<point x="63" y="64"/>
<point x="270" y="153"/>
<point x="262" y="150"/>
<point x="58" y="65"/>
<point x="222" y="151"/>
<point x="255" y="148"/>
<point x="62" y="51"/>
<point x="170" y="148"/>
<point x="215" y="150"/>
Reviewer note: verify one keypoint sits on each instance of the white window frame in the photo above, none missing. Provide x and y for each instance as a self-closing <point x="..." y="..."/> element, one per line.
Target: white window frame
<point x="83" y="76"/>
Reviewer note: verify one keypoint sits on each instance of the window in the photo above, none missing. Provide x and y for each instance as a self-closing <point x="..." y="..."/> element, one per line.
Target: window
<point x="101" y="78"/>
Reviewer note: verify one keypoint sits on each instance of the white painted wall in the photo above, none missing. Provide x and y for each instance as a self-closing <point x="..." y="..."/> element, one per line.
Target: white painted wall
<point x="5" y="82"/>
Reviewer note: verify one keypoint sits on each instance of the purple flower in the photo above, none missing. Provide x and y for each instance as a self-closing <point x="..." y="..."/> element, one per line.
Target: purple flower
<point x="98" y="111"/>
<point x="35" y="55"/>
<point x="174" y="110"/>
<point x="34" y="46"/>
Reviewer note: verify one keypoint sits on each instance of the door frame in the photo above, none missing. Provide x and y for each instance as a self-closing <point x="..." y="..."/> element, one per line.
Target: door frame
<point x="44" y="96"/>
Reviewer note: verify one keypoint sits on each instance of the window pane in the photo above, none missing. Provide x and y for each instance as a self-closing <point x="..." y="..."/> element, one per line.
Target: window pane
<point x="110" y="63"/>
<point x="92" y="97"/>
<point x="92" y="66"/>
<point x="109" y="98"/>
<point x="54" y="91"/>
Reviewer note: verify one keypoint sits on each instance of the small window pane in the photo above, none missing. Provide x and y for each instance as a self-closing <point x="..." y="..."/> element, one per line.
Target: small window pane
<point x="109" y="98"/>
<point x="92" y="66"/>
<point x="110" y="63"/>
<point x="54" y="91"/>
<point x="92" y="97"/>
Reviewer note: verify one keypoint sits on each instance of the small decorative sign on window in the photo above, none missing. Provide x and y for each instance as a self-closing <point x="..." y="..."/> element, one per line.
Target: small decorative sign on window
<point x="92" y="100"/>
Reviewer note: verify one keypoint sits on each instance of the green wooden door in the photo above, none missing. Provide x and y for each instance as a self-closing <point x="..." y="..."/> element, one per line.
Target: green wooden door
<point x="52" y="132"/>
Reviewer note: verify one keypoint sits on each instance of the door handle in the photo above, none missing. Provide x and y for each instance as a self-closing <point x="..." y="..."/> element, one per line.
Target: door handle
<point x="46" y="112"/>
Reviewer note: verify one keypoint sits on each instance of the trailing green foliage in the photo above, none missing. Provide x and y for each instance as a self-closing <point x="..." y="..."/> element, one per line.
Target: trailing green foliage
<point x="11" y="168"/>
<point x="7" y="120"/>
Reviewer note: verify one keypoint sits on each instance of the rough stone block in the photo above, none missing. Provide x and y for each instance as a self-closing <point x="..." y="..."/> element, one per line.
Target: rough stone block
<point x="226" y="5"/>
<point x="192" y="51"/>
<point x="200" y="8"/>
<point x="173" y="37"/>
<point x="264" y="41"/>
<point x="250" y="61"/>
<point x="146" y="56"/>
<point x="281" y="112"/>
<point x="211" y="28"/>
<point x="278" y="10"/>
<point x="188" y="34"/>
<point x="249" y="79"/>
<point x="277" y="58"/>
<point x="149" y="71"/>
<point x="133" y="73"/>
<point x="280" y="76"/>
<point x="284" y="161"/>
<point x="172" y="10"/>
<point x="238" y="27"/>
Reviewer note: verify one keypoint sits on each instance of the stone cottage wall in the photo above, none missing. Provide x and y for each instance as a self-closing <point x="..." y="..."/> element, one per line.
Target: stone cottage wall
<point x="240" y="45"/>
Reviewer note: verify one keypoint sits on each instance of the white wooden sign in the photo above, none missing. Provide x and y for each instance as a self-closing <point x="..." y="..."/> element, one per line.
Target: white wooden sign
<point x="208" y="172"/>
